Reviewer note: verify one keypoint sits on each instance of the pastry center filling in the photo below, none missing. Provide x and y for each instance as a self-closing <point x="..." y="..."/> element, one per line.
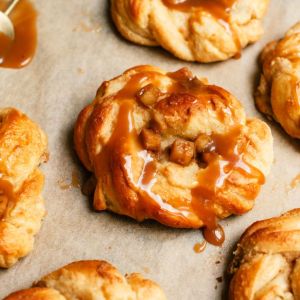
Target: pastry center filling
<point x="217" y="155"/>
<point x="19" y="52"/>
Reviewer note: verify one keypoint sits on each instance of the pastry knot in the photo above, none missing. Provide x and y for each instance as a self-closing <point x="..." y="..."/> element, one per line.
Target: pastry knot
<point x="193" y="30"/>
<point x="278" y="94"/>
<point x="23" y="147"/>
<point x="171" y="147"/>
<point x="266" y="263"/>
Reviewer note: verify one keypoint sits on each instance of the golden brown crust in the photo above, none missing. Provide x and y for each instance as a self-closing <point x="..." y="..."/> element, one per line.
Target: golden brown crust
<point x="91" y="280"/>
<point x="195" y="34"/>
<point x="266" y="262"/>
<point x="278" y="94"/>
<point x="36" y="294"/>
<point x="23" y="146"/>
<point x="146" y="183"/>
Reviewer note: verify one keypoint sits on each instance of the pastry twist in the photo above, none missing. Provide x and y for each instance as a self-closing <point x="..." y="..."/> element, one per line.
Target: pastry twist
<point x="278" y="95"/>
<point x="267" y="260"/>
<point x="91" y="280"/>
<point x="23" y="147"/>
<point x="200" y="30"/>
<point x="170" y="147"/>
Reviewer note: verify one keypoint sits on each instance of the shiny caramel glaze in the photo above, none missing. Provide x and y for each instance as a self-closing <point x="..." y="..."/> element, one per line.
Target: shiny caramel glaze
<point x="200" y="247"/>
<point x="140" y="183"/>
<point x="214" y="235"/>
<point x="74" y="182"/>
<point x="19" y="52"/>
<point x="218" y="8"/>
<point x="295" y="182"/>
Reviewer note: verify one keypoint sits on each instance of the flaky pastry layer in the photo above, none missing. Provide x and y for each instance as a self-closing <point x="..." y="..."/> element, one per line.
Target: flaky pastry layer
<point x="278" y="94"/>
<point x="210" y="31"/>
<point x="170" y="147"/>
<point x="91" y="280"/>
<point x="267" y="260"/>
<point x="23" y="147"/>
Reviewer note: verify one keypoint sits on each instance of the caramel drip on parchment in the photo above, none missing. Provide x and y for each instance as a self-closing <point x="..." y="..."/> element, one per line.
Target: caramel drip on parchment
<point x="200" y="247"/>
<point x="124" y="149"/>
<point x="214" y="236"/>
<point x="294" y="183"/>
<point x="19" y="52"/>
<point x="73" y="183"/>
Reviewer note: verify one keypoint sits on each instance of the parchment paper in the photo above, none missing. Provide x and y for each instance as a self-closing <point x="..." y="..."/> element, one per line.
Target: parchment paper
<point x="78" y="48"/>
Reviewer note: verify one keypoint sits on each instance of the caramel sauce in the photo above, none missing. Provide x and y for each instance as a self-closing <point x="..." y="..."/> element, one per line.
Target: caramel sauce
<point x="19" y="52"/>
<point x="200" y="247"/>
<point x="124" y="149"/>
<point x="64" y="185"/>
<point x="118" y="153"/>
<point x="119" y="157"/>
<point x="225" y="158"/>
<point x="220" y="9"/>
<point x="87" y="26"/>
<point x="80" y="71"/>
<point x="295" y="182"/>
<point x="215" y="236"/>
<point x="146" y="270"/>
<point x="5" y="45"/>
<point x="75" y="182"/>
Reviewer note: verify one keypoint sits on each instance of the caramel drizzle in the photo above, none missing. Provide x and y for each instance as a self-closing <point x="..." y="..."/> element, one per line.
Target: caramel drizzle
<point x="19" y="52"/>
<point x="200" y="247"/>
<point x="220" y="9"/>
<point x="295" y="182"/>
<point x="117" y="153"/>
<point x="73" y="183"/>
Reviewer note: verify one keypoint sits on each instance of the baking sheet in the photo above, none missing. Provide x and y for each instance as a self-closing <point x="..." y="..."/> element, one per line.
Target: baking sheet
<point x="78" y="48"/>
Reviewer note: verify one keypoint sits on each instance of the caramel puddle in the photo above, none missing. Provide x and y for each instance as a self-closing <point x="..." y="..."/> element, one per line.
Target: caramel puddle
<point x="19" y="52"/>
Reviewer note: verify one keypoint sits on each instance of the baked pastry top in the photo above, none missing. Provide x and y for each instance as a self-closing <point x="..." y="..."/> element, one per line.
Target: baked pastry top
<point x="91" y="280"/>
<point x="170" y="147"/>
<point x="192" y="30"/>
<point x="23" y="147"/>
<point x="278" y="95"/>
<point x="267" y="260"/>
